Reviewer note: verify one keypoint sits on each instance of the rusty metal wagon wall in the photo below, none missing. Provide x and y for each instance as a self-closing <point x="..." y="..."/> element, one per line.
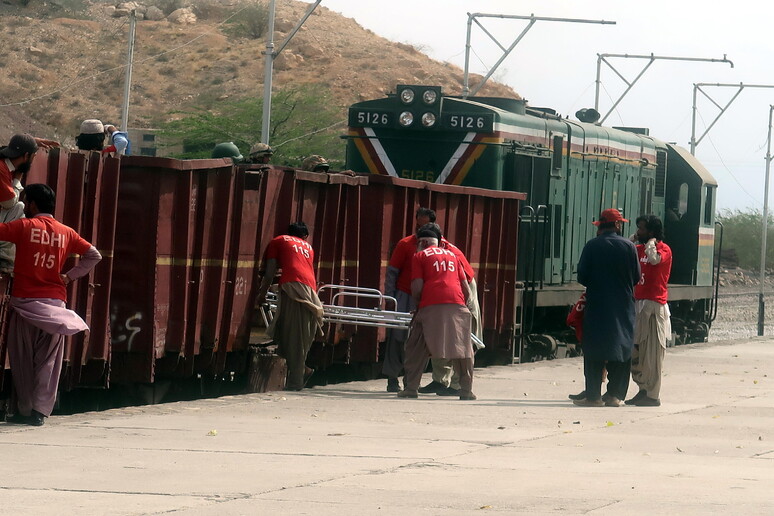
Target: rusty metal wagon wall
<point x="182" y="243"/>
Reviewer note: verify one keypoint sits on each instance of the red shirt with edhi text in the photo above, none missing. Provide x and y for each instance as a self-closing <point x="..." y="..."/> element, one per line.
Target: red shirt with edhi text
<point x="466" y="268"/>
<point x="295" y="257"/>
<point x="654" y="278"/>
<point x="42" y="246"/>
<point x="442" y="276"/>
<point x="575" y="317"/>
<point x="404" y="252"/>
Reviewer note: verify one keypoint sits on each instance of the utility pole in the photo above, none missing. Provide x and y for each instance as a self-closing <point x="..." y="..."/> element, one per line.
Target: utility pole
<point x="761" y="302"/>
<point x="268" y="70"/>
<point x="128" y="77"/>
<point x="694" y="143"/>
<point x="271" y="55"/>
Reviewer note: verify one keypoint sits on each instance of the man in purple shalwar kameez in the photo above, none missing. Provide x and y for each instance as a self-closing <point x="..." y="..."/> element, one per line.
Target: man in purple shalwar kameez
<point x="39" y="319"/>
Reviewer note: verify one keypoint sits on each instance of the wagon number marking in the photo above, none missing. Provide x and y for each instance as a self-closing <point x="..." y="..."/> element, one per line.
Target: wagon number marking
<point x="240" y="286"/>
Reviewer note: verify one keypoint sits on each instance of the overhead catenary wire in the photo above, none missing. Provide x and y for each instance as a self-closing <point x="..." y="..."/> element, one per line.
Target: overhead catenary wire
<point x="611" y="100"/>
<point x="119" y="67"/>
<point x="341" y="122"/>
<point x="712" y="143"/>
<point x="574" y="102"/>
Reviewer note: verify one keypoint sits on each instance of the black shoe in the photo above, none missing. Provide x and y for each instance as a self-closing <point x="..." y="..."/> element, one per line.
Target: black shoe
<point x="36" y="419"/>
<point x="449" y="391"/>
<point x="432" y="388"/>
<point x="585" y="402"/>
<point x="637" y="397"/>
<point x="393" y="385"/>
<point x="646" y="402"/>
<point x="580" y="396"/>
<point x="16" y="419"/>
<point x="607" y="396"/>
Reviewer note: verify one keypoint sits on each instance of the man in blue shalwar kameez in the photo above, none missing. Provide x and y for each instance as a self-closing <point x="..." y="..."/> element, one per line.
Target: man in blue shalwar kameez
<point x="609" y="269"/>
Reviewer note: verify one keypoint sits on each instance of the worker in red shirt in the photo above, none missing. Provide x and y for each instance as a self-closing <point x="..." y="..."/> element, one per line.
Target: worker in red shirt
<point x="299" y="313"/>
<point x="39" y="318"/>
<point x="397" y="284"/>
<point x="441" y="325"/>
<point x="445" y="381"/>
<point x="652" y="327"/>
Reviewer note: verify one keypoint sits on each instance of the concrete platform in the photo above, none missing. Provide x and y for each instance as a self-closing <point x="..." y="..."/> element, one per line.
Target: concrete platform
<point x="354" y="449"/>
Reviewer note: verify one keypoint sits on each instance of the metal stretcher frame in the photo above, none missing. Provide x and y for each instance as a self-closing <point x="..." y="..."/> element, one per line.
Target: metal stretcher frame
<point x="342" y="314"/>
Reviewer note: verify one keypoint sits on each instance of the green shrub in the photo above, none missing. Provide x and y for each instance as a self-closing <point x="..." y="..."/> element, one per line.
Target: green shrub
<point x="251" y="22"/>
<point x="742" y="232"/>
<point x="301" y="117"/>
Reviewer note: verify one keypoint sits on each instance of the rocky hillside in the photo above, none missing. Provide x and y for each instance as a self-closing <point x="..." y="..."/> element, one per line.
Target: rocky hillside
<point x="63" y="61"/>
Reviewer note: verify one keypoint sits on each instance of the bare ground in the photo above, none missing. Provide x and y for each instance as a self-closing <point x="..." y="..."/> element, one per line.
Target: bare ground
<point x="737" y="316"/>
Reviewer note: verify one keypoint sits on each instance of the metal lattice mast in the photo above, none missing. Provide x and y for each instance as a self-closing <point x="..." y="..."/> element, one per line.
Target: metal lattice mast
<point x="473" y="18"/>
<point x="604" y="58"/>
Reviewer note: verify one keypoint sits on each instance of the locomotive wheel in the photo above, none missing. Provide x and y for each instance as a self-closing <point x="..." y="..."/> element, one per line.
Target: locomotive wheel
<point x="699" y="332"/>
<point x="542" y="346"/>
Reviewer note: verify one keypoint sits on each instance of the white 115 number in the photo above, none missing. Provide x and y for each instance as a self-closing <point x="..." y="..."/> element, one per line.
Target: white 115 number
<point x="44" y="260"/>
<point x="443" y="265"/>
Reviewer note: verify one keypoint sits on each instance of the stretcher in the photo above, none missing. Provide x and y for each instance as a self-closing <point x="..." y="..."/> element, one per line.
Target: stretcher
<point x="371" y="312"/>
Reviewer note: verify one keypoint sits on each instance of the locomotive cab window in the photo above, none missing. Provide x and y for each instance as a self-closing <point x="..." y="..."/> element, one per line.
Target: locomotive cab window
<point x="709" y="202"/>
<point x="682" y="202"/>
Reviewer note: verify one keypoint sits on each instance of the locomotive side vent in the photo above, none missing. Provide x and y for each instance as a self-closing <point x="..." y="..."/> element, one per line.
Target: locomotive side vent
<point x="660" y="186"/>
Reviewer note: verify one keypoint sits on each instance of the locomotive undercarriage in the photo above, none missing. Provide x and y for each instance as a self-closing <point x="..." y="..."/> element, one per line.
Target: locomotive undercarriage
<point x="547" y="339"/>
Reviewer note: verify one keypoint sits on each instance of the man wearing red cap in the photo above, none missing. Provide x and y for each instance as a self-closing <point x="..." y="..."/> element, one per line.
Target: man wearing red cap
<point x="609" y="269"/>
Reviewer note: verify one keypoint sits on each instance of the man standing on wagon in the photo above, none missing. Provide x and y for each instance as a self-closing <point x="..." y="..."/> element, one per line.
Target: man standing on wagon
<point x="441" y="326"/>
<point x="609" y="269"/>
<point x="299" y="313"/>
<point x="39" y="319"/>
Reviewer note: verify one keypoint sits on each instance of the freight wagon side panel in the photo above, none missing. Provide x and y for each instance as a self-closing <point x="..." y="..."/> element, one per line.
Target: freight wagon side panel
<point x="88" y="206"/>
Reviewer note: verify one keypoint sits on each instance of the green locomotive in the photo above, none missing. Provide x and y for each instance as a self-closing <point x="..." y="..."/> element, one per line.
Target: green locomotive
<point x="571" y="171"/>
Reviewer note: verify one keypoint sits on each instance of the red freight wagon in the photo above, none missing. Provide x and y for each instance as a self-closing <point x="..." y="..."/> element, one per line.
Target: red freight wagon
<point x="182" y="243"/>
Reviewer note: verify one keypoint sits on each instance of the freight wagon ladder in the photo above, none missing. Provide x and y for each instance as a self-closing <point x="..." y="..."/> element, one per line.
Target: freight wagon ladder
<point x="338" y="313"/>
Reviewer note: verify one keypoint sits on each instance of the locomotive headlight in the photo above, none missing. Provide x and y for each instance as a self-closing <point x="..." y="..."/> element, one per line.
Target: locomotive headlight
<point x="406" y="118"/>
<point x="407" y="96"/>
<point x="428" y="119"/>
<point x="429" y="97"/>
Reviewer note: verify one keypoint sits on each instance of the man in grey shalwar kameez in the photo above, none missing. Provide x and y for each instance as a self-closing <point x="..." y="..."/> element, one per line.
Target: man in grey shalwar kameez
<point x="609" y="269"/>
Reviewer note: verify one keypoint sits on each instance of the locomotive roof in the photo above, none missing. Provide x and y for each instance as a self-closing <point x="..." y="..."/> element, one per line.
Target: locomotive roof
<point x="695" y="164"/>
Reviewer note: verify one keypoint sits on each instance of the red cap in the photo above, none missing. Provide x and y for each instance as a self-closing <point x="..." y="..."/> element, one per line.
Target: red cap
<point x="609" y="215"/>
